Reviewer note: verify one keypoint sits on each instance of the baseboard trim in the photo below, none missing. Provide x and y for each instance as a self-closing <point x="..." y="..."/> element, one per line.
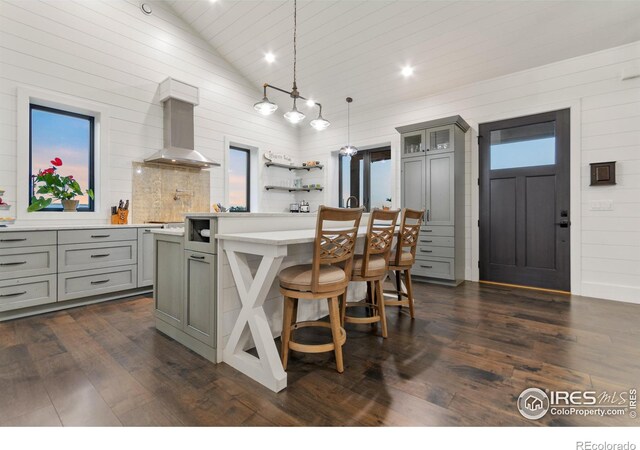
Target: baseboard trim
<point x="68" y="304"/>
<point x="517" y="286"/>
<point x="617" y="293"/>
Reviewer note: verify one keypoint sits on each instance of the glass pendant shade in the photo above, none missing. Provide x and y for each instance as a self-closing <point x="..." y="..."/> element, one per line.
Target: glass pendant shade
<point x="294" y="116"/>
<point x="320" y="123"/>
<point x="348" y="150"/>
<point x="265" y="107"/>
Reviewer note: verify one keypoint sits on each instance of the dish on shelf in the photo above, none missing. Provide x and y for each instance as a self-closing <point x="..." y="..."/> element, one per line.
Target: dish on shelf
<point x="4" y="221"/>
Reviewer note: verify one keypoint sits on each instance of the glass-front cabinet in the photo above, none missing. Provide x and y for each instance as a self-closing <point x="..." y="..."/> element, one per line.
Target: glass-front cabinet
<point x="413" y="143"/>
<point x="440" y="139"/>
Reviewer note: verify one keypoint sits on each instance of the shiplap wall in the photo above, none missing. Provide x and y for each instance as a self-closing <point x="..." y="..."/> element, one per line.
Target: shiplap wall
<point x="609" y="130"/>
<point x="110" y="53"/>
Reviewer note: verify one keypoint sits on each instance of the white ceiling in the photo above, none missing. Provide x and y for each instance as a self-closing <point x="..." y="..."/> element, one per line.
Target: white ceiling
<point x="357" y="48"/>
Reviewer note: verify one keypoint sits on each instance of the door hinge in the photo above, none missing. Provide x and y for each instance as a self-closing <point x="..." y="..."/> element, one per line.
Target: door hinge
<point x="478" y="222"/>
<point x="478" y="181"/>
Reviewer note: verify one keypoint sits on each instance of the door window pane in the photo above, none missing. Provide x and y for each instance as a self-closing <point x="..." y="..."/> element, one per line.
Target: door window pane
<point x="526" y="146"/>
<point x="239" y="179"/>
<point x="367" y="177"/>
<point x="68" y="136"/>
<point x="380" y="179"/>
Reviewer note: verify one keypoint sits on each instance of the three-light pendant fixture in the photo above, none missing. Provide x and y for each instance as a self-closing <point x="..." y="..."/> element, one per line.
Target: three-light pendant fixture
<point x="267" y="107"/>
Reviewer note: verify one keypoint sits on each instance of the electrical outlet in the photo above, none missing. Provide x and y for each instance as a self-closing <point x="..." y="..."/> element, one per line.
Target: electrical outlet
<point x="602" y="205"/>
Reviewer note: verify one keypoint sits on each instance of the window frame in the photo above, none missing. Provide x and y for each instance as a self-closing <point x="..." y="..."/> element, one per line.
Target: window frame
<point x="366" y="153"/>
<point x="102" y="114"/>
<point x="248" y="177"/>
<point x="92" y="177"/>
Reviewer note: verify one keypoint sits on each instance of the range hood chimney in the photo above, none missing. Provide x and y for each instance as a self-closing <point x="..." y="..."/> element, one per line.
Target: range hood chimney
<point x="178" y="100"/>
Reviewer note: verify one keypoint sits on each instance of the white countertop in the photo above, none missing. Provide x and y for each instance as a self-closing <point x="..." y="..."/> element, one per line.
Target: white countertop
<point x="74" y="227"/>
<point x="288" y="237"/>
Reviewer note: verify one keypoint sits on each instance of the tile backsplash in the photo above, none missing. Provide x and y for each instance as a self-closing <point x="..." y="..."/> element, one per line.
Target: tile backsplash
<point x="163" y="193"/>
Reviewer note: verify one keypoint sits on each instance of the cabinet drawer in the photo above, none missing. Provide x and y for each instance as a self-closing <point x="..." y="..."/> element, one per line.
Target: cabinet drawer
<point x="434" y="268"/>
<point x="27" y="262"/>
<point x="24" y="292"/>
<point x="97" y="235"/>
<point x="427" y="251"/>
<point x="95" y="256"/>
<point x="11" y="239"/>
<point x="435" y="241"/>
<point x="95" y="282"/>
<point x="436" y="230"/>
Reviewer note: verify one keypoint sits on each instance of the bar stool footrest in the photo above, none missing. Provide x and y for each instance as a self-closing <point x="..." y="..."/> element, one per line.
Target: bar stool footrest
<point x="371" y="319"/>
<point x="315" y="348"/>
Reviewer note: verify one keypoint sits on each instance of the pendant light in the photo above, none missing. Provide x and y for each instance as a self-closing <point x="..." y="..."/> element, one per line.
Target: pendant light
<point x="348" y="150"/>
<point x="267" y="107"/>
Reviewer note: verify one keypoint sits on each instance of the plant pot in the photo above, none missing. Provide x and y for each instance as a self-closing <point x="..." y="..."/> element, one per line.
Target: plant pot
<point x="70" y="205"/>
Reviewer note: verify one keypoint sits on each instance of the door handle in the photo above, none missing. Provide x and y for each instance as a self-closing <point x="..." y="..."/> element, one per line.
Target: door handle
<point x="95" y="236"/>
<point x="101" y="281"/>
<point x="103" y="255"/>
<point x="13" y="240"/>
<point x="197" y="257"/>
<point x="563" y="224"/>
<point x="17" y="263"/>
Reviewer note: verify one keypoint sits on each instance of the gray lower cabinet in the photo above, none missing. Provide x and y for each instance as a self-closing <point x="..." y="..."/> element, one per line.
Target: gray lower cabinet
<point x="435" y="182"/>
<point x="27" y="261"/>
<point x="88" y="283"/>
<point x="145" y="257"/>
<point x="413" y="182"/>
<point x="169" y="279"/>
<point x="24" y="292"/>
<point x="199" y="310"/>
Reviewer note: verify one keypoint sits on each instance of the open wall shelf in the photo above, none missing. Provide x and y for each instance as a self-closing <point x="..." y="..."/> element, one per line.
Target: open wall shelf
<point x="290" y="167"/>
<point x="292" y="189"/>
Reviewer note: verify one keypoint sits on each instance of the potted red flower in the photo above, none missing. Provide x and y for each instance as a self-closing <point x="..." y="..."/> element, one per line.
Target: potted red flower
<point x="58" y="187"/>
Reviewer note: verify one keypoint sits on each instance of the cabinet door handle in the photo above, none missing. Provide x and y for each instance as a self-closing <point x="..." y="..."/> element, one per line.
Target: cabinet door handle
<point x="426" y="251"/>
<point x="426" y="267"/>
<point x="15" y="294"/>
<point x="95" y="236"/>
<point x="16" y="263"/>
<point x="147" y="231"/>
<point x="103" y="255"/>
<point x="428" y="231"/>
<point x="13" y="240"/>
<point x="196" y="257"/>
<point x="426" y="241"/>
<point x="101" y="281"/>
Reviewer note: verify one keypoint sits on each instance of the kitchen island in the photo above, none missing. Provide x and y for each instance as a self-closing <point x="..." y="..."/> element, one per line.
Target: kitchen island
<point x="228" y="299"/>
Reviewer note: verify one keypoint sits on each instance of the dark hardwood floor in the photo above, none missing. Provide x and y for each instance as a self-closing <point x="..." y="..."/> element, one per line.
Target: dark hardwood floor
<point x="463" y="361"/>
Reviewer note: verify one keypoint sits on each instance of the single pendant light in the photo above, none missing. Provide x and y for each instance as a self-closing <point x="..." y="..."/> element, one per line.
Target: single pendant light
<point x="348" y="150"/>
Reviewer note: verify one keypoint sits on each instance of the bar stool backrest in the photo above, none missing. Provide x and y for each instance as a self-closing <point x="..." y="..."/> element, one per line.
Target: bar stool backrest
<point x="336" y="235"/>
<point x="380" y="234"/>
<point x="408" y="235"/>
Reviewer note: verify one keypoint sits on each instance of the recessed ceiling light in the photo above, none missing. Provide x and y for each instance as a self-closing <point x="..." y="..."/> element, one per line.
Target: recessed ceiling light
<point x="270" y="57"/>
<point x="407" y="71"/>
<point x="310" y="103"/>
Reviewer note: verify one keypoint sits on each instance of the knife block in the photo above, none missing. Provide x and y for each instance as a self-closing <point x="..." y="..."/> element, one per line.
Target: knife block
<point x="120" y="218"/>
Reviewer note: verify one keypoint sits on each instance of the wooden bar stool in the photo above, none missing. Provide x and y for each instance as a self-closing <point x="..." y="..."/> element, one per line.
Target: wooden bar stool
<point x="372" y="267"/>
<point x="326" y="277"/>
<point x="404" y="256"/>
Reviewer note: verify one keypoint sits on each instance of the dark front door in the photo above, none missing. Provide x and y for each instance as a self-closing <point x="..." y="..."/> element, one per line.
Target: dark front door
<point x="524" y="201"/>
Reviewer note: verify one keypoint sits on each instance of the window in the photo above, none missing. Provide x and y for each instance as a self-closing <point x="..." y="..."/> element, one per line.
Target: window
<point x="54" y="133"/>
<point x="367" y="177"/>
<point x="524" y="146"/>
<point x="239" y="179"/>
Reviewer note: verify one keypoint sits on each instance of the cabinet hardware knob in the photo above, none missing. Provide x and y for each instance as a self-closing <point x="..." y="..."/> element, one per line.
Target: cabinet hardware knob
<point x="15" y="294"/>
<point x="16" y="263"/>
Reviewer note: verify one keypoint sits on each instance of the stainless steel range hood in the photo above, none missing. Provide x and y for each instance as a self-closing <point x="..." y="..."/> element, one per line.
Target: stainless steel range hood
<point x="178" y="135"/>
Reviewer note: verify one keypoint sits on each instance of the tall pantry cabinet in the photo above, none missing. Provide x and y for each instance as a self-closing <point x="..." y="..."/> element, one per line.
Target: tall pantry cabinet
<point x="432" y="177"/>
